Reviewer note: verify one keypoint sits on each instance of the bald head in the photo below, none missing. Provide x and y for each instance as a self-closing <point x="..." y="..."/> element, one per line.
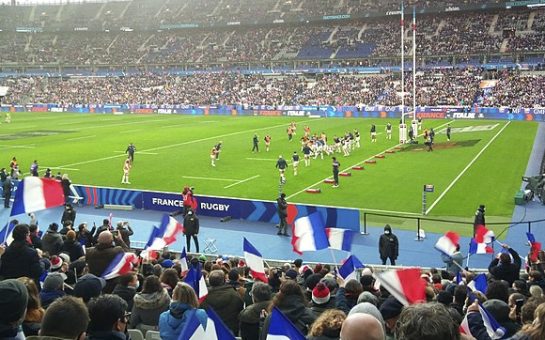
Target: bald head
<point x="361" y="327"/>
<point x="105" y="237"/>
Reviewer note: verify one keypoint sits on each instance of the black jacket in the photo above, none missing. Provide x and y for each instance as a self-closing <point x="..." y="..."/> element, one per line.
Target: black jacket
<point x="20" y="259"/>
<point x="73" y="249"/>
<point x="250" y="320"/>
<point x="126" y="293"/>
<point x="294" y="308"/>
<point x="388" y="246"/>
<point x="508" y="272"/>
<point x="86" y="238"/>
<point x="125" y="234"/>
<point x="68" y="215"/>
<point x="36" y="241"/>
<point x="227" y="303"/>
<point x="52" y="242"/>
<point x="191" y="224"/>
<point x="282" y="207"/>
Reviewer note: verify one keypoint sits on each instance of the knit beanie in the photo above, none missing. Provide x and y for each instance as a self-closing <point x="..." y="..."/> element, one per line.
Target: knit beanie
<point x="320" y="294"/>
<point x="56" y="262"/>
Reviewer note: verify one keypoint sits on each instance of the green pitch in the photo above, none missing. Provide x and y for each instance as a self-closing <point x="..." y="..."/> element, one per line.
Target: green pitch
<point x="482" y="164"/>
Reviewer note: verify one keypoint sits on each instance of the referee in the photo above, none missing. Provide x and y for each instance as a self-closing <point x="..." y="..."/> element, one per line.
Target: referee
<point x="336" y="166"/>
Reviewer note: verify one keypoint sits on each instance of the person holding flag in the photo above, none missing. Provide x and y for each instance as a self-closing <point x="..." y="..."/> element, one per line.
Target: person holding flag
<point x="502" y="268"/>
<point x="19" y="258"/>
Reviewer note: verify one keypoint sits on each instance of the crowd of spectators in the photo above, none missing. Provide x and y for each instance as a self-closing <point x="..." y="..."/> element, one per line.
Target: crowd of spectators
<point x="436" y="87"/>
<point x="52" y="291"/>
<point x="458" y="34"/>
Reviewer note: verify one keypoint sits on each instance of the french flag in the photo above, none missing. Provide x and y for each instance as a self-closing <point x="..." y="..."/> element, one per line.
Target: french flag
<point x="479" y="244"/>
<point x="308" y="234"/>
<point x="164" y="235"/>
<point x="447" y="244"/>
<point x="405" y="285"/>
<point x="493" y="328"/>
<point x="254" y="261"/>
<point x="183" y="262"/>
<point x="215" y="328"/>
<point x="340" y="238"/>
<point x="281" y="328"/>
<point x="192" y="330"/>
<point x="121" y="265"/>
<point x="478" y="283"/>
<point x="195" y="279"/>
<point x="348" y="270"/>
<point x="535" y="247"/>
<point x="34" y="194"/>
<point x="7" y="232"/>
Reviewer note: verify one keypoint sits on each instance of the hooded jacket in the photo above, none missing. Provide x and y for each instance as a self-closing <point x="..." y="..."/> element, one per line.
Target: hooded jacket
<point x="173" y="321"/>
<point x="388" y="244"/>
<point x="148" y="307"/>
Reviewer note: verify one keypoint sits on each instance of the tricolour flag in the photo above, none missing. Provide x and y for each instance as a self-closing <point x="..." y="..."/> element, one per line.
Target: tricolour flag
<point x="308" y="234"/>
<point x="215" y="328"/>
<point x="195" y="279"/>
<point x="479" y="283"/>
<point x="6" y="234"/>
<point x="447" y="244"/>
<point x="192" y="330"/>
<point x="348" y="270"/>
<point x="479" y="244"/>
<point x="254" y="261"/>
<point x="340" y="238"/>
<point x="479" y="248"/>
<point x="164" y="235"/>
<point x="34" y="194"/>
<point x="120" y="265"/>
<point x="281" y="328"/>
<point x="535" y="247"/>
<point x="404" y="284"/>
<point x="493" y="328"/>
<point x="183" y="262"/>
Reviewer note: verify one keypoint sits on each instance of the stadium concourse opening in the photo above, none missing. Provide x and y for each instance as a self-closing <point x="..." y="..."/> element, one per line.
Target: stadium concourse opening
<point x="220" y="107"/>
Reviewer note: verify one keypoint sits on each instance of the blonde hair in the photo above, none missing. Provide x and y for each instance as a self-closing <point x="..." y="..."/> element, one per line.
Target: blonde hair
<point x="329" y="322"/>
<point x="184" y="293"/>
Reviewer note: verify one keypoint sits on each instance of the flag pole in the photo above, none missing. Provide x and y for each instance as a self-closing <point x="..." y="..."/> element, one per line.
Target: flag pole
<point x="334" y="259"/>
<point x="467" y="262"/>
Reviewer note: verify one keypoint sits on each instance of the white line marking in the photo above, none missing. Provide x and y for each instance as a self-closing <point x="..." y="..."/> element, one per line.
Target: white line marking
<point x="262" y="159"/>
<point x="30" y="146"/>
<point x="140" y="152"/>
<point x="466" y="168"/>
<point x="189" y="142"/>
<point x="389" y="211"/>
<point x="350" y="167"/>
<point x="57" y="167"/>
<point x="212" y="179"/>
<point x="240" y="182"/>
<point x="84" y="137"/>
<point x="130" y="131"/>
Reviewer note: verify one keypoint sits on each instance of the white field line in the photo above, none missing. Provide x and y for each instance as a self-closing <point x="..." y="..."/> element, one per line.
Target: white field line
<point x="56" y="167"/>
<point x="30" y="146"/>
<point x="262" y="159"/>
<point x="350" y="167"/>
<point x="130" y="131"/>
<point x="140" y="152"/>
<point x="84" y="137"/>
<point x="466" y="168"/>
<point x="213" y="179"/>
<point x="186" y="143"/>
<point x="240" y="182"/>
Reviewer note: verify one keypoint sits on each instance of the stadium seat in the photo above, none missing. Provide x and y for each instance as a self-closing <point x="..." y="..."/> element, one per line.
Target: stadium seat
<point x="135" y="334"/>
<point x="153" y="335"/>
<point x="210" y="246"/>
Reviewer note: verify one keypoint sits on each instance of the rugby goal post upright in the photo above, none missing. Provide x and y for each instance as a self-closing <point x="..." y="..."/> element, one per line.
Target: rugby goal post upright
<point x="402" y="126"/>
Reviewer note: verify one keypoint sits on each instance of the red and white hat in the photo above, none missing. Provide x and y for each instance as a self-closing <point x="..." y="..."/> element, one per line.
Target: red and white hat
<point x="56" y="262"/>
<point x="320" y="294"/>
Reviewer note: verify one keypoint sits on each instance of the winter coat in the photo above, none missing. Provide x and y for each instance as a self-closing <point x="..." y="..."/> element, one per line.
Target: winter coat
<point x="148" y="307"/>
<point x="318" y="309"/>
<point x="73" y="249"/>
<point x="49" y="296"/>
<point x="85" y="238"/>
<point x="68" y="215"/>
<point x="99" y="230"/>
<point x="173" y="320"/>
<point x="282" y="208"/>
<point x="52" y="242"/>
<point x="343" y="303"/>
<point x="450" y="261"/>
<point x="191" y="224"/>
<point x="388" y="246"/>
<point x="294" y="308"/>
<point x="250" y="318"/>
<point x="126" y="293"/>
<point x="125" y="234"/>
<point x="20" y="259"/>
<point x="227" y="303"/>
<point x="36" y="241"/>
<point x="508" y="272"/>
<point x="478" y="330"/>
<point x="99" y="258"/>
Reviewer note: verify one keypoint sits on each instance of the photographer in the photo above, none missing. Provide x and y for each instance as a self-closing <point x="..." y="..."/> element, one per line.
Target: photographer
<point x="125" y="231"/>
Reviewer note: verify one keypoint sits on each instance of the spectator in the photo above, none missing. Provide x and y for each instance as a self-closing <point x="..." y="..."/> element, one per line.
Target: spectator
<point x="84" y="236"/>
<point x="52" y="289"/>
<point x="126" y="288"/>
<point x="225" y="301"/>
<point x="427" y="321"/>
<point x="34" y="311"/>
<point x="105" y="226"/>
<point x="506" y="270"/>
<point x="536" y="292"/>
<point x="347" y="294"/>
<point x="454" y="262"/>
<point x="89" y="286"/>
<point x="66" y="227"/>
<point x="327" y="326"/>
<point x="361" y="327"/>
<point x="291" y="301"/>
<point x="99" y="257"/>
<point x="72" y="247"/>
<point x="66" y="318"/>
<point x="125" y="231"/>
<point x="108" y="318"/>
<point x="390" y="310"/>
<point x="250" y="317"/>
<point x="321" y="297"/>
<point x="19" y="258"/>
<point x="169" y="279"/>
<point x="35" y="239"/>
<point x="69" y="214"/>
<point x="368" y="308"/>
<point x="149" y="304"/>
<point x="13" y="303"/>
<point x="173" y="321"/>
<point x="52" y="240"/>
<point x="500" y="311"/>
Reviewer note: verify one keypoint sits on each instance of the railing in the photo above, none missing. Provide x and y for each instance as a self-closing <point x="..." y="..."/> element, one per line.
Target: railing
<point x="464" y="226"/>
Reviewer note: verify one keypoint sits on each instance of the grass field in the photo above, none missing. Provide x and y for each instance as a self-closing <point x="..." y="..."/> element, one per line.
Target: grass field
<point x="482" y="164"/>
